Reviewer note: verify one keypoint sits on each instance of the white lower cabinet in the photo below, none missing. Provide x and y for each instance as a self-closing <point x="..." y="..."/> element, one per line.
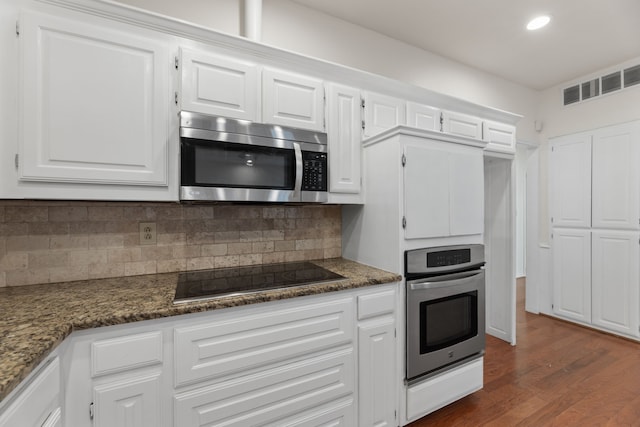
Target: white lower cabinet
<point x="311" y="361"/>
<point x="572" y="274"/>
<point x="38" y="403"/>
<point x="377" y="392"/>
<point x="615" y="281"/>
<point x="130" y="402"/>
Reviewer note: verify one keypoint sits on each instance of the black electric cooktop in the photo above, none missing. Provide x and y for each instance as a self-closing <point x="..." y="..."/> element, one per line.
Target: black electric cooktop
<point x="222" y="282"/>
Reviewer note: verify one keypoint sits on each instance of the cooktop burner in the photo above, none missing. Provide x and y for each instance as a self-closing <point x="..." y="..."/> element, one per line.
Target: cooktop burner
<point x="222" y="282"/>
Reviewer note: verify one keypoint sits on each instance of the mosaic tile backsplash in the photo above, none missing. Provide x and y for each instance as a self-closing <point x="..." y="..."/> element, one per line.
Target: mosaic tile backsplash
<point x="47" y="242"/>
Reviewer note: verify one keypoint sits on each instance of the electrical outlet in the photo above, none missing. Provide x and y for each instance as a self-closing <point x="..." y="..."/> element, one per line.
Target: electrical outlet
<point x="147" y="233"/>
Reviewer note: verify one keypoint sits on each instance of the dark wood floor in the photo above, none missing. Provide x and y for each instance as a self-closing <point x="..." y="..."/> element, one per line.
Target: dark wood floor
<point x="558" y="374"/>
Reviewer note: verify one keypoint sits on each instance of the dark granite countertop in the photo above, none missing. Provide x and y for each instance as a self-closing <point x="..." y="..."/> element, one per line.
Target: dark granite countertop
<point x="35" y="319"/>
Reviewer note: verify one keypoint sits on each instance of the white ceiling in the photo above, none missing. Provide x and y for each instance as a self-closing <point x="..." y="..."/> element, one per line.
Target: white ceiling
<point x="584" y="36"/>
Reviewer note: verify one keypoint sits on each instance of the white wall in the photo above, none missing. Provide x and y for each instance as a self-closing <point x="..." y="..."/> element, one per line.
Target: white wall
<point x="287" y="25"/>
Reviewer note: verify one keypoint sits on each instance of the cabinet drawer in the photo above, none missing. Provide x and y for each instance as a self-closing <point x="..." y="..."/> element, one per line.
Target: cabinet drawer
<point x="234" y="345"/>
<point x="443" y="389"/>
<point x="376" y="304"/>
<point x="124" y="353"/>
<point x="271" y="395"/>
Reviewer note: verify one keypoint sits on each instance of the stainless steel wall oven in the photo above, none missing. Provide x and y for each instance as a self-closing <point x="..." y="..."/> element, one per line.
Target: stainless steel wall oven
<point x="445" y="308"/>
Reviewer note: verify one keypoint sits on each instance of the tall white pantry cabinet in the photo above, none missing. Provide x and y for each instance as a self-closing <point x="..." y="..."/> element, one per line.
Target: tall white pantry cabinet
<point x="595" y="218"/>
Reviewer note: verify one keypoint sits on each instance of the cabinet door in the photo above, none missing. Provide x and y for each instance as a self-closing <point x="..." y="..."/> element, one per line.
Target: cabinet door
<point x="423" y="116"/>
<point x="377" y="373"/>
<point x="616" y="260"/>
<point x="38" y="402"/>
<point x="466" y="188"/>
<point x="219" y="86"/>
<point x="570" y="181"/>
<point x="426" y="191"/>
<point x="95" y="102"/>
<point x="616" y="180"/>
<point x="344" y="139"/>
<point x="499" y="136"/>
<point x="132" y="402"/>
<point x="382" y="112"/>
<point x="461" y="125"/>
<point x="572" y="274"/>
<point x="292" y="100"/>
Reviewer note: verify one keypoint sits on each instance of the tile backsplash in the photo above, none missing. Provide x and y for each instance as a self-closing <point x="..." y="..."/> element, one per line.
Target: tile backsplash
<point x="47" y="242"/>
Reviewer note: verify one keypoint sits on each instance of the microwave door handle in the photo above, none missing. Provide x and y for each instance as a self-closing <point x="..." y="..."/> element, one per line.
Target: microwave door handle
<point x="297" y="186"/>
<point x="444" y="281"/>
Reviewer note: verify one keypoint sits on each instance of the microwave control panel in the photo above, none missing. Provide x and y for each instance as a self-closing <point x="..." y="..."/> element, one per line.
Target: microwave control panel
<point x="314" y="174"/>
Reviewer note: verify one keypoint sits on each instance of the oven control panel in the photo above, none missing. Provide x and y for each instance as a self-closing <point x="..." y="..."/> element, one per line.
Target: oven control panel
<point x="443" y="258"/>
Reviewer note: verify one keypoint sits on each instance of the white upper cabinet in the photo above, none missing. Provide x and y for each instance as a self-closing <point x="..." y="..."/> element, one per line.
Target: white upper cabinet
<point x="570" y="172"/>
<point x="461" y="125"/>
<point x="95" y="102"/>
<point x="466" y="187"/>
<point x="444" y="190"/>
<point x="292" y="100"/>
<point x="344" y="139"/>
<point x="382" y="112"/>
<point x="499" y="136"/>
<point x="218" y="85"/>
<point x="616" y="180"/>
<point x="423" y="116"/>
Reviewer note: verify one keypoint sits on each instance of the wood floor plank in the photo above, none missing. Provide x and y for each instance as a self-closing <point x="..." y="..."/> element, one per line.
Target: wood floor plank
<point x="559" y="374"/>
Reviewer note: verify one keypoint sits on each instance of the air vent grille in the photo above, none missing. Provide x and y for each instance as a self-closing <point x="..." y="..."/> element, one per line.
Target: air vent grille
<point x="572" y="94"/>
<point x="590" y="89"/>
<point x="632" y="76"/>
<point x="602" y="85"/>
<point x="611" y="82"/>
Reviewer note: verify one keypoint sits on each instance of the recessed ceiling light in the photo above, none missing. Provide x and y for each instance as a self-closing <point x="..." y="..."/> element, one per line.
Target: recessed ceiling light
<point x="538" y="22"/>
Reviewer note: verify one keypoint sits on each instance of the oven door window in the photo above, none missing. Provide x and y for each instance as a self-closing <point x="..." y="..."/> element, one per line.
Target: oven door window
<point x="224" y="164"/>
<point x="448" y="321"/>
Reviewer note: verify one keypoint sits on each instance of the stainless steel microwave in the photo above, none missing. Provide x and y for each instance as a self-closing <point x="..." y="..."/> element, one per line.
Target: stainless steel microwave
<point x="231" y="160"/>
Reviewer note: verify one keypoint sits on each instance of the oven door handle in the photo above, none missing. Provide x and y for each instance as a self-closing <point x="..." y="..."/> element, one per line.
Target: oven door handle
<point x="297" y="186"/>
<point x="446" y="280"/>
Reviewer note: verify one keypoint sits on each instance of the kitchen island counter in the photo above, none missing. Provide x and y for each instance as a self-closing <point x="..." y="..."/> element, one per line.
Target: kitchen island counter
<point x="35" y="319"/>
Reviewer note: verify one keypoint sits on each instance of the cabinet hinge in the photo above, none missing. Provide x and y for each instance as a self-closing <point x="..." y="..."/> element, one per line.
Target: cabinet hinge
<point x="175" y="97"/>
<point x="363" y="125"/>
<point x="395" y="414"/>
<point x="441" y="122"/>
<point x="17" y="28"/>
<point x="361" y="102"/>
<point x="176" y="62"/>
<point x="91" y="410"/>
<point x="17" y="160"/>
<point x="404" y="222"/>
<point x="403" y="160"/>
<point x="395" y="333"/>
<point x="552" y="220"/>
